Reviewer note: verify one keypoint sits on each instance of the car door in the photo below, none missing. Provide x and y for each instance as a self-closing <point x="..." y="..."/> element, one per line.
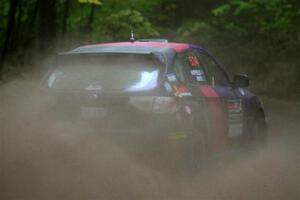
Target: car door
<point x="198" y="83"/>
<point x="205" y="79"/>
<point x="219" y="81"/>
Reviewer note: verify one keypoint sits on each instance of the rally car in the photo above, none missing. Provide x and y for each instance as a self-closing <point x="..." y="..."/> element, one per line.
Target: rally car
<point x="158" y="93"/>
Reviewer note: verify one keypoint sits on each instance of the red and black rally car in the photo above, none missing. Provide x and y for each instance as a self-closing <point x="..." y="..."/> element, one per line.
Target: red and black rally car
<point x="158" y="93"/>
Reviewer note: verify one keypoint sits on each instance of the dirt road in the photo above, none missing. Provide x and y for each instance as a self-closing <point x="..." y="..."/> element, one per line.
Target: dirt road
<point x="60" y="160"/>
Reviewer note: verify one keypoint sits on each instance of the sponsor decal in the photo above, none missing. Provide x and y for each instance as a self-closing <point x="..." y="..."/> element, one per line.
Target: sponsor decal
<point x="200" y="78"/>
<point x="185" y="94"/>
<point x="197" y="72"/>
<point x="235" y="117"/>
<point x="181" y="91"/>
<point x="193" y="60"/>
<point x="234" y="105"/>
<point x="168" y="87"/>
<point x="172" y="77"/>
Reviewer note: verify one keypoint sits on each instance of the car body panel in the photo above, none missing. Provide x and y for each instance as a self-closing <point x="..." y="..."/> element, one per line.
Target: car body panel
<point x="217" y="117"/>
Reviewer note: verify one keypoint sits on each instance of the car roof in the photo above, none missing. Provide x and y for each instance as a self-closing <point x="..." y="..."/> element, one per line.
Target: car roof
<point x="167" y="49"/>
<point x="131" y="47"/>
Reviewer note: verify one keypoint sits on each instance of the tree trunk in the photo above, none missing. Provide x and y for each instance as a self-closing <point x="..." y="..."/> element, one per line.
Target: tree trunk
<point x="19" y="19"/>
<point x="30" y="26"/>
<point x="92" y="13"/>
<point x="33" y="13"/>
<point x="47" y="26"/>
<point x="65" y="18"/>
<point x="9" y="29"/>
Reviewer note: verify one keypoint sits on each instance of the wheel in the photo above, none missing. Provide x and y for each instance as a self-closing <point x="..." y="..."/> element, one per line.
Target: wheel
<point x="259" y="131"/>
<point x="196" y="145"/>
<point x="197" y="152"/>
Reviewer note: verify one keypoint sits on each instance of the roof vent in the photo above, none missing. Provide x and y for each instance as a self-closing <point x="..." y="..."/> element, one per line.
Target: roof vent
<point x="153" y="40"/>
<point x="132" y="39"/>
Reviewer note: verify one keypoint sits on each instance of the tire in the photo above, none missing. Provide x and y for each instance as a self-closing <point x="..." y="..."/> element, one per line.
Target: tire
<point x="196" y="145"/>
<point x="197" y="153"/>
<point x="259" y="132"/>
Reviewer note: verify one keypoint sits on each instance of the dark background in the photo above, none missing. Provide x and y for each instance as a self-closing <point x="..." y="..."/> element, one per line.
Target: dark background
<point x="257" y="37"/>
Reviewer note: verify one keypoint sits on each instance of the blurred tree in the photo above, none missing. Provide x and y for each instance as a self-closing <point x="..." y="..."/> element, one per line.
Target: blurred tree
<point x="19" y="19"/>
<point x="256" y="33"/>
<point x="65" y="17"/>
<point x="119" y="25"/>
<point x="275" y="21"/>
<point x="47" y="25"/>
<point x="10" y="27"/>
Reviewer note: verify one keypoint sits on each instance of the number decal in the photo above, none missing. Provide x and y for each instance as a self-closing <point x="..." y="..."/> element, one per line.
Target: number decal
<point x="193" y="60"/>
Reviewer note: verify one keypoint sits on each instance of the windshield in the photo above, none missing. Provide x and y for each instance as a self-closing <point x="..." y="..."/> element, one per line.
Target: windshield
<point x="106" y="72"/>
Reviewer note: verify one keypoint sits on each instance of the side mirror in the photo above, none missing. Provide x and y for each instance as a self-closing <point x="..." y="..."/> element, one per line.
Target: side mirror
<point x="240" y="81"/>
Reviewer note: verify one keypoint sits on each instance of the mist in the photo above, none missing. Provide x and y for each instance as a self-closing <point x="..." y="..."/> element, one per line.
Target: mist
<point x="48" y="158"/>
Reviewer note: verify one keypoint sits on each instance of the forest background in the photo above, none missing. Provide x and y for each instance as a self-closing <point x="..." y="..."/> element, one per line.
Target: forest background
<point x="260" y="38"/>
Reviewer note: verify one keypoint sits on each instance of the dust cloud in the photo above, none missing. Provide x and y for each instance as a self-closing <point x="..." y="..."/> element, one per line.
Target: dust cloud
<point x="48" y="158"/>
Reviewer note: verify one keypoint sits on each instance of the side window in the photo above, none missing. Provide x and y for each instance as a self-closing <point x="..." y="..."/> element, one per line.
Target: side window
<point x="194" y="67"/>
<point x="179" y="69"/>
<point x="215" y="75"/>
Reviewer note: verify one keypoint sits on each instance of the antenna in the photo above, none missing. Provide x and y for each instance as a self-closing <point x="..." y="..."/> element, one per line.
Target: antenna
<point x="132" y="37"/>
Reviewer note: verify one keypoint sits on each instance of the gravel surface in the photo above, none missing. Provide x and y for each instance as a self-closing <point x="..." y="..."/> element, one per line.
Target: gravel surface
<point x="62" y="160"/>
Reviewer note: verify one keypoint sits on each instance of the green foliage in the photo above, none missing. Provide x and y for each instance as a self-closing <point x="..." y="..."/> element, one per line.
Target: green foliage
<point x="274" y="20"/>
<point x="118" y="26"/>
<point x="4" y="6"/>
<point x="139" y="5"/>
<point x="258" y="37"/>
<point x="196" y="32"/>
